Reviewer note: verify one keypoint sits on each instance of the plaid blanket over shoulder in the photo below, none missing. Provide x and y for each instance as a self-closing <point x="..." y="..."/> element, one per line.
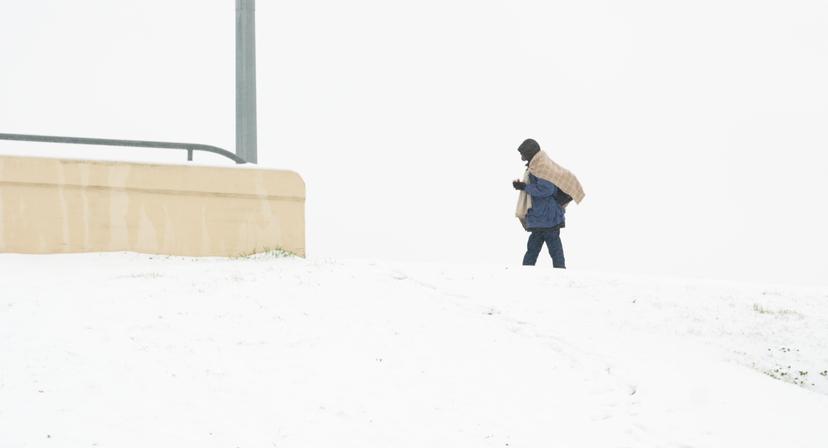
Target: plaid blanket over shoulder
<point x="545" y="168"/>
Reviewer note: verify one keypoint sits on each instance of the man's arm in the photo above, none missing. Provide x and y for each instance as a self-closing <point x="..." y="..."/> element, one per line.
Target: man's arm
<point x="541" y="189"/>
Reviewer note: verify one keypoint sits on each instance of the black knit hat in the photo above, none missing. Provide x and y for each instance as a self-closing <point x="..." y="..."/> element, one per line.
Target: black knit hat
<point x="528" y="148"/>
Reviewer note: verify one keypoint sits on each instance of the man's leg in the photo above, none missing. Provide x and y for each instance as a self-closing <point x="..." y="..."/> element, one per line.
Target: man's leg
<point x="555" y="246"/>
<point x="533" y="248"/>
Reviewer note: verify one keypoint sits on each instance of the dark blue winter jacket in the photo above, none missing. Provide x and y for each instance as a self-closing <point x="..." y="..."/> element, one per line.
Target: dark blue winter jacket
<point x="545" y="212"/>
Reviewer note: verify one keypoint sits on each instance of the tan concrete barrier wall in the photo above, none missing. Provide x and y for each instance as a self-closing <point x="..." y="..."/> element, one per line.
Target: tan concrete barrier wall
<point x="52" y="206"/>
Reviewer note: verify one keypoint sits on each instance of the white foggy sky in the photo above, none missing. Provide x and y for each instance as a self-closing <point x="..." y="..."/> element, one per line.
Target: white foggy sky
<point x="697" y="128"/>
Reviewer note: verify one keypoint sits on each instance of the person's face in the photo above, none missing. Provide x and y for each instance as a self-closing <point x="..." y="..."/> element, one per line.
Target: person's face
<point x="523" y="157"/>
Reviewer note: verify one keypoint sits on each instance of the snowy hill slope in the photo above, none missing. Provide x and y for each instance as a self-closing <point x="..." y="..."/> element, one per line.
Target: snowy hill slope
<point x="127" y="350"/>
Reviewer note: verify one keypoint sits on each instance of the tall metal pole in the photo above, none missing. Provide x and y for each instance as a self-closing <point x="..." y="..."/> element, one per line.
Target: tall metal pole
<point x="246" y="139"/>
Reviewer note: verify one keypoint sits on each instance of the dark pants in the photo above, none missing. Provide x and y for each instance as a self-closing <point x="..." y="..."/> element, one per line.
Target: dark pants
<point x="552" y="238"/>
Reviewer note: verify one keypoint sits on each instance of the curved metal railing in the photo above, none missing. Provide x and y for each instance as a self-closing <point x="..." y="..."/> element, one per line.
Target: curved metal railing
<point x="189" y="147"/>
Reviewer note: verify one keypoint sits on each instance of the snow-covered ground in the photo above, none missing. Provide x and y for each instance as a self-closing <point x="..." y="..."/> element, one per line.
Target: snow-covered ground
<point x="127" y="350"/>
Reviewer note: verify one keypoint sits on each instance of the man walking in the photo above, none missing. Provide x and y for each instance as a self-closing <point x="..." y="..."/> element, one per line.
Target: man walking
<point x="545" y="191"/>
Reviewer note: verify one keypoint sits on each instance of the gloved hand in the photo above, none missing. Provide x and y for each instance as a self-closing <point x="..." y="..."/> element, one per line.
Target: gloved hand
<point x="519" y="185"/>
